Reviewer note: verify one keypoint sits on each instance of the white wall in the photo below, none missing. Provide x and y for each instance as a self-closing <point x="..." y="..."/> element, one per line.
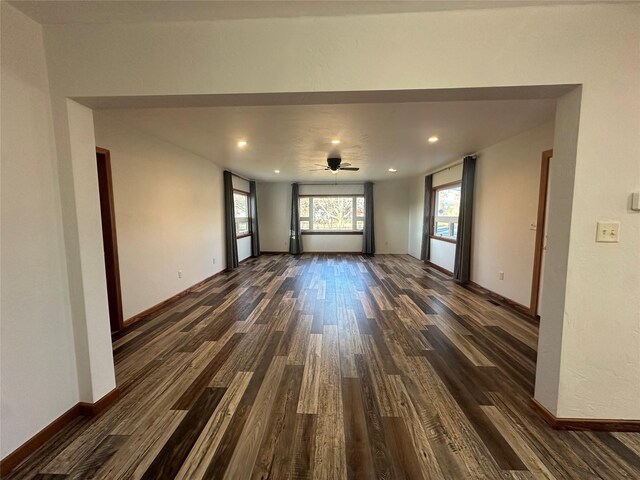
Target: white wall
<point x="274" y="214"/>
<point x="391" y="212"/>
<point x="448" y="175"/>
<point x="244" y="248"/>
<point x="240" y="183"/>
<point x="38" y="378"/>
<point x="390" y="217"/>
<point x="442" y="254"/>
<point x="169" y="214"/>
<point x="594" y="45"/>
<point x="505" y="204"/>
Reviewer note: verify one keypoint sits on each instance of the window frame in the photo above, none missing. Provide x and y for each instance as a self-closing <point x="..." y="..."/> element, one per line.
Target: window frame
<point x="355" y="219"/>
<point x="432" y="219"/>
<point x="249" y="219"/>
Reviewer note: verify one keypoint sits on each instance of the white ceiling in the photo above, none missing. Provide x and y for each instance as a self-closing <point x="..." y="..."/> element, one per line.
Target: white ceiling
<point x="99" y="11"/>
<point x="374" y="136"/>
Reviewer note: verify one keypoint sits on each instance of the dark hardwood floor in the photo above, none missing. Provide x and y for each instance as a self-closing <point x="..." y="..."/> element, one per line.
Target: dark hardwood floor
<point x="329" y="366"/>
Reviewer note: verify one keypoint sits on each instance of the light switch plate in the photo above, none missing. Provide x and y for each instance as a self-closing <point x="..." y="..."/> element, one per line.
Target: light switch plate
<point x="608" y="232"/>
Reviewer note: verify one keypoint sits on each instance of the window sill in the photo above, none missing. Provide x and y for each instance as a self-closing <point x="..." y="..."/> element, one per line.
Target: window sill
<point x="444" y="239"/>
<point x="348" y="232"/>
<point x="238" y="237"/>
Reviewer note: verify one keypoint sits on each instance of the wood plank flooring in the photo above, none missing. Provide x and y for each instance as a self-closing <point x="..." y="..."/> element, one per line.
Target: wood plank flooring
<point x="329" y="366"/>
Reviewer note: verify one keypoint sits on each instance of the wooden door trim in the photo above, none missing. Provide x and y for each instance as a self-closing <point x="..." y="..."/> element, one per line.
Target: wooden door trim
<point x="539" y="245"/>
<point x="112" y="268"/>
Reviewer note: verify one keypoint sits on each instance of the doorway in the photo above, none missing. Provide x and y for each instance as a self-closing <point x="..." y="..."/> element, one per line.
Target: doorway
<point x="109" y="239"/>
<point x="541" y="235"/>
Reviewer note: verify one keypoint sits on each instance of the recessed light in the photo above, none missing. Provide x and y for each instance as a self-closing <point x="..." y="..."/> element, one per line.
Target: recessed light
<point x="335" y="141"/>
<point x="276" y="171"/>
<point x="242" y="143"/>
<point x="393" y="170"/>
<point x="433" y="139"/>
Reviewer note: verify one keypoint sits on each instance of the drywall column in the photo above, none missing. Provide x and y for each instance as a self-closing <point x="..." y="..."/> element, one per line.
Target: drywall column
<point x="38" y="378"/>
<point x="600" y="362"/>
<point x="561" y="178"/>
<point x="73" y="124"/>
<point x="588" y="345"/>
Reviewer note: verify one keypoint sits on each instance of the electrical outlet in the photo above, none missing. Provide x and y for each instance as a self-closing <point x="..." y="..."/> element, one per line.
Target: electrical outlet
<point x="214" y="261"/>
<point x="179" y="273"/>
<point x="608" y="232"/>
<point x="501" y="275"/>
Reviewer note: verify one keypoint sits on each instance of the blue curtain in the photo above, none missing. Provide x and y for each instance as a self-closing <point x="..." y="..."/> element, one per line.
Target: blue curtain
<point x="295" y="237"/>
<point x="255" y="237"/>
<point x="368" y="232"/>
<point x="230" y="223"/>
<point x="426" y="218"/>
<point x="462" y="265"/>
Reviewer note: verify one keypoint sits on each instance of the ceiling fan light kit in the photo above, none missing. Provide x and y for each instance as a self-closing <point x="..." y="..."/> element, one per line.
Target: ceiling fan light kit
<point x="334" y="164"/>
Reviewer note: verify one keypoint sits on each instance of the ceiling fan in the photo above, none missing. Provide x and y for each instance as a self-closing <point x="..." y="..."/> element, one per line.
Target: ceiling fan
<point x="335" y="165"/>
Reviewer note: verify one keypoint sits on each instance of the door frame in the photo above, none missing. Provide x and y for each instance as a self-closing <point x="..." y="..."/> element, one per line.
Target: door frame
<point x="539" y="245"/>
<point x="109" y="238"/>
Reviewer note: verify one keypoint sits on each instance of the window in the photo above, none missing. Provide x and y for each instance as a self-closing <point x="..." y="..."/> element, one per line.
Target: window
<point x="446" y="209"/>
<point x="332" y="214"/>
<point x="242" y="214"/>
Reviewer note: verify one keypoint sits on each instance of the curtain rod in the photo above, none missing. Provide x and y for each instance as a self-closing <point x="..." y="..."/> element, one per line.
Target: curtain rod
<point x="330" y="184"/>
<point x="447" y="167"/>
<point x="451" y="165"/>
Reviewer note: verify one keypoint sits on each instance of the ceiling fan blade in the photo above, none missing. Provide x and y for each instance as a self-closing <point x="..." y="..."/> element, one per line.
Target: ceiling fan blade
<point x="318" y="165"/>
<point x="345" y="164"/>
<point x="350" y="169"/>
<point x="317" y="169"/>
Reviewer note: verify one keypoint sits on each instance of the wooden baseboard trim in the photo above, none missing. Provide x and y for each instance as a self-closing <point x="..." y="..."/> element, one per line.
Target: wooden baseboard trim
<point x="587" y="424"/>
<point x="332" y="253"/>
<point x="439" y="268"/>
<point x="16" y="457"/>
<point x="94" y="409"/>
<point x="314" y="253"/>
<point x="164" y="303"/>
<point x="500" y="299"/>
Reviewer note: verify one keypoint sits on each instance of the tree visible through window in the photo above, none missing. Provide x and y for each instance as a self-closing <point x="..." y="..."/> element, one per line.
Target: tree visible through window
<point x="242" y="215"/>
<point x="447" y="210"/>
<point x="332" y="214"/>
